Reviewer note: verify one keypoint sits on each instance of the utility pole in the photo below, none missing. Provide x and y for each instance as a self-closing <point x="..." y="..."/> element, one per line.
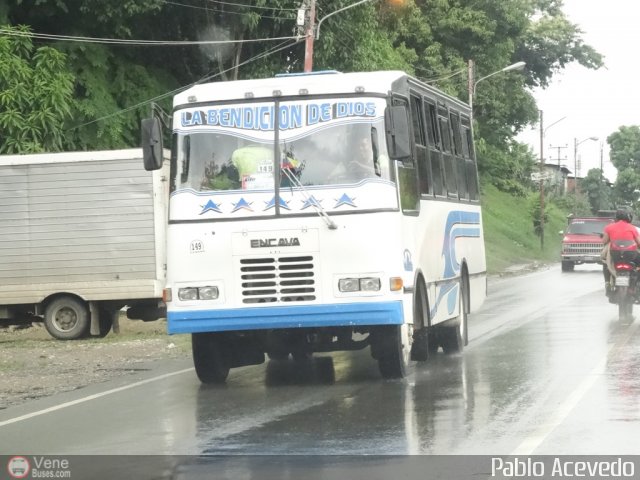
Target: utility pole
<point x="312" y="31"/>
<point x="470" y="85"/>
<point x="541" y="181"/>
<point x="558" y="158"/>
<point x="309" y="35"/>
<point x="576" y="165"/>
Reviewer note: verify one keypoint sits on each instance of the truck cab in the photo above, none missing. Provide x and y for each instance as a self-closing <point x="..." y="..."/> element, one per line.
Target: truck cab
<point x="582" y="241"/>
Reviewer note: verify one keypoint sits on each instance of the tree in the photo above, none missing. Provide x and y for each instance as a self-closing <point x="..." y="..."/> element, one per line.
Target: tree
<point x="597" y="191"/>
<point x="626" y="190"/>
<point x="433" y="40"/>
<point x="535" y="208"/>
<point x="625" y="147"/>
<point x="625" y="155"/>
<point x="36" y="92"/>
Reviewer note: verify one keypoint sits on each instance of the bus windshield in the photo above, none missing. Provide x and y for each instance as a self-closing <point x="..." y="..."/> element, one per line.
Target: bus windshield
<point x="338" y="151"/>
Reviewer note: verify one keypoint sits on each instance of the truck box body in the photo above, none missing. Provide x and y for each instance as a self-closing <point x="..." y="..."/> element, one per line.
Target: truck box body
<point x="88" y="224"/>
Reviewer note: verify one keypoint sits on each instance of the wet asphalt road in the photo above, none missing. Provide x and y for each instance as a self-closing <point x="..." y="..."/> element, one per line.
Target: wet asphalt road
<point x="548" y="370"/>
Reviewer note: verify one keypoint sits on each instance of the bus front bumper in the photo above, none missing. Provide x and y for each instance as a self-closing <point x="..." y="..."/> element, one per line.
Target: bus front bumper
<point x="300" y="316"/>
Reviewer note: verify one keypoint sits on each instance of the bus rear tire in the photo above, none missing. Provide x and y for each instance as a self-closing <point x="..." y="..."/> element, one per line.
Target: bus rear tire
<point x="210" y="358"/>
<point x="390" y="347"/>
<point x="455" y="337"/>
<point x="421" y="347"/>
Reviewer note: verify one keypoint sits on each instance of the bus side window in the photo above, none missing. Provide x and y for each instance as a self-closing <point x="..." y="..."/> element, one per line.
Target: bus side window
<point x="435" y="156"/>
<point x="461" y="175"/>
<point x="447" y="154"/>
<point x="470" y="161"/>
<point x="421" y="144"/>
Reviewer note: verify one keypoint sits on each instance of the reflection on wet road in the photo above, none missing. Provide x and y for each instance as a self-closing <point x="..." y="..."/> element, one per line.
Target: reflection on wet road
<point x="548" y="370"/>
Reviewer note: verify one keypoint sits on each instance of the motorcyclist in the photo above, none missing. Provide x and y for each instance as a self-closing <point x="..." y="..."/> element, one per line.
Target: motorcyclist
<point x="620" y="231"/>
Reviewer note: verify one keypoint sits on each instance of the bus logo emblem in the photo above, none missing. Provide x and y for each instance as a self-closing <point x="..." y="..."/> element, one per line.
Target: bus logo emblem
<point x="275" y="242"/>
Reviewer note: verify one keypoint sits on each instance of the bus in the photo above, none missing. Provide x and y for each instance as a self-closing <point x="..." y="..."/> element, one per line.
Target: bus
<point x="320" y="212"/>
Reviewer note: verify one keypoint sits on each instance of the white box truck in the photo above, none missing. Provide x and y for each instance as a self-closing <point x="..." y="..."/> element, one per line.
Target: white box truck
<point x="82" y="235"/>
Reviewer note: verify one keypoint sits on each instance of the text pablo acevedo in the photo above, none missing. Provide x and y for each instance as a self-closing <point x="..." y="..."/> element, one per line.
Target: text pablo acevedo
<point x="561" y="468"/>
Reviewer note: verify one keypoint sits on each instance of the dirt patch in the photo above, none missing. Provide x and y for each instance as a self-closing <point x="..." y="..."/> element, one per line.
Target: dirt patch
<point x="35" y="365"/>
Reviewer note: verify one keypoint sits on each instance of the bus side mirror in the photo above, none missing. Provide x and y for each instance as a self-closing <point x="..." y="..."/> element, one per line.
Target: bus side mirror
<point x="151" y="143"/>
<point x="399" y="142"/>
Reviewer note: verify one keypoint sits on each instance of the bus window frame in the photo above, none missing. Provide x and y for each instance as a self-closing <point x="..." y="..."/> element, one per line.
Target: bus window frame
<point x="398" y="99"/>
<point x="425" y="179"/>
<point x="430" y="106"/>
<point x="448" y="154"/>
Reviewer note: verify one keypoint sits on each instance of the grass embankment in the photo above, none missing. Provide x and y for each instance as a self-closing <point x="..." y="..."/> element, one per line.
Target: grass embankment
<point x="130" y="330"/>
<point x="508" y="230"/>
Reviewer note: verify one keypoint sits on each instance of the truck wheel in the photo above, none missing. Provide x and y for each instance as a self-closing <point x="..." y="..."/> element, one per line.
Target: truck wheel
<point x="67" y="318"/>
<point x="210" y="357"/>
<point x="392" y="350"/>
<point x="105" y="321"/>
<point x="567" y="266"/>
<point x="455" y="337"/>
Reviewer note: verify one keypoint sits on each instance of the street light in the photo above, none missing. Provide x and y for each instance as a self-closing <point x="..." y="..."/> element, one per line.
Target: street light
<point x="576" y="143"/>
<point x="472" y="85"/>
<point x="311" y="36"/>
<point x="338" y="11"/>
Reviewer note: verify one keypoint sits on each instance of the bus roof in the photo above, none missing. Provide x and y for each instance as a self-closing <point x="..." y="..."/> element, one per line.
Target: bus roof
<point x="324" y="82"/>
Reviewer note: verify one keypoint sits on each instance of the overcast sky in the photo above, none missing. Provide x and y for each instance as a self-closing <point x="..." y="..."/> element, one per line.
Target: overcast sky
<point x="595" y="103"/>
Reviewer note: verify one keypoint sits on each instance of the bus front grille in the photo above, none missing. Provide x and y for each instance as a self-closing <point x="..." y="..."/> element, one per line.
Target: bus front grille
<point x="277" y="279"/>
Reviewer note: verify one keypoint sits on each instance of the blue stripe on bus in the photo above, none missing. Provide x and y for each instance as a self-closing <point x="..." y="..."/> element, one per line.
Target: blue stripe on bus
<point x="301" y="316"/>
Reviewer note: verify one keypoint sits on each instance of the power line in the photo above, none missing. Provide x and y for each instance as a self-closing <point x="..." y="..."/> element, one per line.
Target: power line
<point x="252" y="6"/>
<point x="223" y="11"/>
<point x="180" y="89"/>
<point x="114" y="41"/>
<point x="444" y="76"/>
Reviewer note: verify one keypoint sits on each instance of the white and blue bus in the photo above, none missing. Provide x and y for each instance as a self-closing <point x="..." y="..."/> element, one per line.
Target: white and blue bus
<point x="320" y="212"/>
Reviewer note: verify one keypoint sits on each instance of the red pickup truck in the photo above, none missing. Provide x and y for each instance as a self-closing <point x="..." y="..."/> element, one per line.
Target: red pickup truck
<point x="582" y="241"/>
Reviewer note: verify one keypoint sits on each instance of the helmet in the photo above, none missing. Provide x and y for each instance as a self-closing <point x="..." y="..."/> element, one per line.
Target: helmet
<point x="625" y="215"/>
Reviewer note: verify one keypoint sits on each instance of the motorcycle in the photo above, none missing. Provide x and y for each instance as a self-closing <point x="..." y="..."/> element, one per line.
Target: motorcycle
<point x="625" y="292"/>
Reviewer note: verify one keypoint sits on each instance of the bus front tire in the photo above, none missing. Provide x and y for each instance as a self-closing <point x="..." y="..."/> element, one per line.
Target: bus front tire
<point x="210" y="358"/>
<point x="390" y="347"/>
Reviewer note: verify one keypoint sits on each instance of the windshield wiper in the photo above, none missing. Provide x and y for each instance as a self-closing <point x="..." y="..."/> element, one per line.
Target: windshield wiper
<point x="305" y="193"/>
<point x="376" y="151"/>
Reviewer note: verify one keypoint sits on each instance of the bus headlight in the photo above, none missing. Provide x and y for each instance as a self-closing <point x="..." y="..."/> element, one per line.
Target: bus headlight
<point x="348" y="285"/>
<point x="188" y="294"/>
<point x="367" y="284"/>
<point x="208" y="293"/>
<point x="198" y="293"/>
<point x="370" y="284"/>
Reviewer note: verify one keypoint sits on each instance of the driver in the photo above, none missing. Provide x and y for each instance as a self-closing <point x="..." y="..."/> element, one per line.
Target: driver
<point x="620" y="230"/>
<point x="360" y="165"/>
